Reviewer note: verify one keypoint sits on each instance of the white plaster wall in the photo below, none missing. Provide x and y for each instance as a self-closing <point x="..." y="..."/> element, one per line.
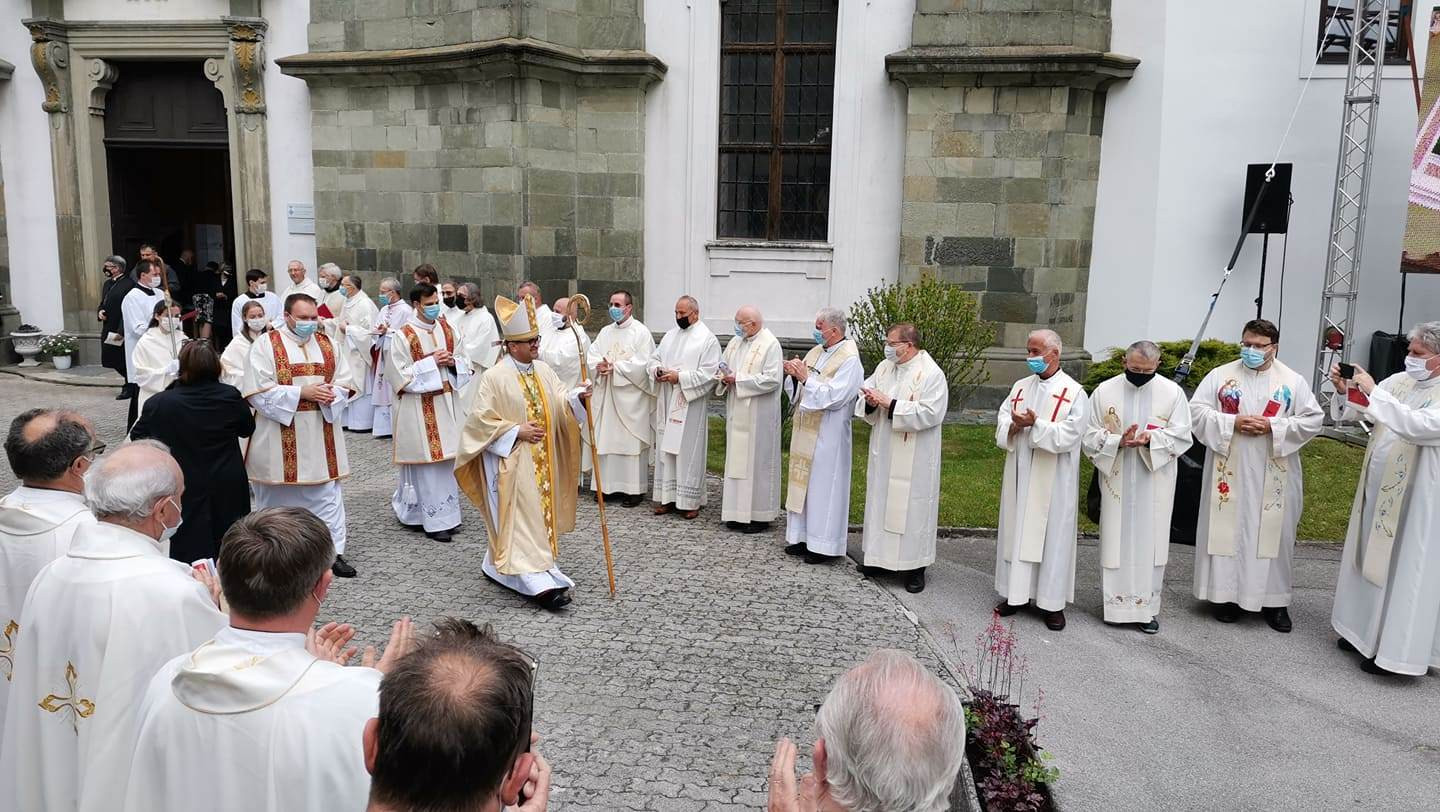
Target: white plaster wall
<point x="1169" y="207"/>
<point x="153" y="9"/>
<point x="29" y="190"/>
<point x="682" y="143"/>
<point x="287" y="101"/>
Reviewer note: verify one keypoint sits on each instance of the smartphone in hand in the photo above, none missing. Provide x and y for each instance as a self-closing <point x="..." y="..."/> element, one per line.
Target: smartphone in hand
<point x="1347" y="371"/>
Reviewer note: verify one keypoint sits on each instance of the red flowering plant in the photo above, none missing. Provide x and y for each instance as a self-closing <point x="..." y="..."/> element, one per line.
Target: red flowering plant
<point x="1011" y="770"/>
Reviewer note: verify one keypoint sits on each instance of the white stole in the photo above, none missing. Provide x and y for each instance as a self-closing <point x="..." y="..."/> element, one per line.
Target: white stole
<point x="1378" y="545"/>
<point x="906" y="385"/>
<point x="1042" y="471"/>
<point x="1112" y="483"/>
<point x="805" y="433"/>
<point x="1225" y="516"/>
<point x="741" y="420"/>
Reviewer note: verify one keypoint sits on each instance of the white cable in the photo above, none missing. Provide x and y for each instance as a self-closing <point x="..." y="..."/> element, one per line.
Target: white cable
<point x="1319" y="52"/>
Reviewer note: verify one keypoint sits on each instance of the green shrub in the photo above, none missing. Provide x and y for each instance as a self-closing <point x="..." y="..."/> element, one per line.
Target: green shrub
<point x="949" y="322"/>
<point x="1212" y="353"/>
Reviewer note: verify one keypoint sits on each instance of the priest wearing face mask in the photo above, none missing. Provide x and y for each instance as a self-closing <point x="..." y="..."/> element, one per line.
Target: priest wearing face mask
<point x="137" y="309"/>
<point x="1138" y="425"/>
<point x="1253" y="416"/>
<point x="750" y="374"/>
<point x="450" y="306"/>
<point x="1039" y="426"/>
<point x="624" y="402"/>
<point x="393" y="314"/>
<point x="334" y="300"/>
<point x="426" y="368"/>
<point x="257" y="288"/>
<point x="1387" y="601"/>
<point x="298" y="382"/>
<point x="684" y="367"/>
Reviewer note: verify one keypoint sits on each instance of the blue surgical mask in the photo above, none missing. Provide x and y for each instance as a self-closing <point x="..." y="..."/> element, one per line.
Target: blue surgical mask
<point x="616" y="314"/>
<point x="890" y="354"/>
<point x="432" y="311"/>
<point x="1037" y="365"/>
<point x="1252" y="358"/>
<point x="739" y="331"/>
<point x="818" y="336"/>
<point x="305" y="329"/>
<point x="382" y="300"/>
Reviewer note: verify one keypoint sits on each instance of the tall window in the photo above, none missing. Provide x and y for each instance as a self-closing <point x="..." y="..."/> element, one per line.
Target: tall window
<point x="1335" y="36"/>
<point x="777" y="68"/>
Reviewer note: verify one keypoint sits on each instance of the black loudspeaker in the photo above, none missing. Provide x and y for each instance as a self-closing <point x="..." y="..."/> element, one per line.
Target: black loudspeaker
<point x="1387" y="354"/>
<point x="1274" y="214"/>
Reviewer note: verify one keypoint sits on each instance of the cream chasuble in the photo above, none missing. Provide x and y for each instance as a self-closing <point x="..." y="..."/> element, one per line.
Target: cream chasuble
<point x="902" y="478"/>
<point x="154" y="363"/>
<point x="36" y="527"/>
<point x="1035" y="544"/>
<point x="1137" y="489"/>
<point x="817" y="493"/>
<point x="1253" y="492"/>
<point x="624" y="406"/>
<point x="752" y="429"/>
<point x="536" y="482"/>
<point x="296" y="442"/>
<point x="97" y="624"/>
<point x="252" y="722"/>
<point x="682" y="435"/>
<point x="1387" y="599"/>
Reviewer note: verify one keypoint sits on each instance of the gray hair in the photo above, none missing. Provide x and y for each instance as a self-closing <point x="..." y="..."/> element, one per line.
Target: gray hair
<point x="894" y="736"/>
<point x="390" y="282"/>
<point x="331" y="270"/>
<point x="471" y="292"/>
<point x="833" y="316"/>
<point x="354" y="280"/>
<point x="1148" y="350"/>
<point x="690" y="300"/>
<point x="1050" y="337"/>
<point x="1428" y="334"/>
<point x="119" y="487"/>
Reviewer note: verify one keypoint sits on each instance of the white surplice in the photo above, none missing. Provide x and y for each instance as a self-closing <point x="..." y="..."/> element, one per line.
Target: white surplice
<point x="136" y="311"/>
<point x="394" y="316"/>
<point x="1137" y="489"/>
<point x="1031" y="565"/>
<point x="479" y="335"/>
<point x="36" y="526"/>
<point x="1251" y="566"/>
<point x="155" y="364"/>
<point x="427" y="421"/>
<point x="752" y="429"/>
<point x="682" y="434"/>
<point x="355" y="330"/>
<point x="1398" y="621"/>
<point x="97" y="624"/>
<point x="824" y="524"/>
<point x="306" y="286"/>
<point x="902" y="478"/>
<point x="624" y="404"/>
<point x="234" y="360"/>
<point x="252" y="722"/>
<point x="268" y="300"/>
<point x="563" y="350"/>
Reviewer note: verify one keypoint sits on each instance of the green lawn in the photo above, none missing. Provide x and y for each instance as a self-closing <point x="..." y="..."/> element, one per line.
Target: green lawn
<point x="972" y="465"/>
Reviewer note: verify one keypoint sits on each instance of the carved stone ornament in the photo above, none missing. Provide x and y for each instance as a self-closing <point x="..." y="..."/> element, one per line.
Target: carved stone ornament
<point x="51" y="58"/>
<point x="247" y="56"/>
<point x="102" y="76"/>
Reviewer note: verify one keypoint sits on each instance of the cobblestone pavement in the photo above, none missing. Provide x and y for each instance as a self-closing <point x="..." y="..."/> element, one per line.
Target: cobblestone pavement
<point x="669" y="697"/>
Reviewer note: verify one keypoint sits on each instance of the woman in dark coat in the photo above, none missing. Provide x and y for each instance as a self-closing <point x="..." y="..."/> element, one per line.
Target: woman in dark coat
<point x="202" y="421"/>
<point x="112" y="296"/>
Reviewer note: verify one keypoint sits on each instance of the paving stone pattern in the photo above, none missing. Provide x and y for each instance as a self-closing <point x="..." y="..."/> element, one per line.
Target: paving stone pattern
<point x="669" y="697"/>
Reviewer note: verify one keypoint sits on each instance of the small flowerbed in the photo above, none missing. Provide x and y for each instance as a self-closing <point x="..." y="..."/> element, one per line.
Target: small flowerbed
<point x="59" y="344"/>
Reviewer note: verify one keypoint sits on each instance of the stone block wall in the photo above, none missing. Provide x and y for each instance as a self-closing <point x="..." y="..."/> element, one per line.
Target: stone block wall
<point x="371" y="25"/>
<point x="1009" y="23"/>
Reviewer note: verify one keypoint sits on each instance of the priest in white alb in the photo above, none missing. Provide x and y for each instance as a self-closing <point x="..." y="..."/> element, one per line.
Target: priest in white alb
<point x="1253" y="416"/>
<point x="1039" y="426"/>
<point x="49" y="452"/>
<point x="1139" y="424"/>
<point x="155" y="364"/>
<point x="905" y="401"/>
<point x="1387" y="600"/>
<point x="519" y="462"/>
<point x="544" y="316"/>
<point x="426" y="371"/>
<point x="97" y="623"/>
<point x="564" y="350"/>
<point x="355" y="332"/>
<point x="624" y="402"/>
<point x="394" y="313"/>
<point x="477" y="328"/>
<point x="684" y="366"/>
<point x="750" y="373"/>
<point x="298" y="383"/>
<point x="823" y="387"/>
<point x="300" y="282"/>
<point x="265" y="716"/>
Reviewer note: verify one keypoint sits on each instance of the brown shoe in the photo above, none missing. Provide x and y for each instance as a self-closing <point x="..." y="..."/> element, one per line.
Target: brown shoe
<point x="661" y="510"/>
<point x="1006" y="609"/>
<point x="1055" y="621"/>
<point x="690" y="514"/>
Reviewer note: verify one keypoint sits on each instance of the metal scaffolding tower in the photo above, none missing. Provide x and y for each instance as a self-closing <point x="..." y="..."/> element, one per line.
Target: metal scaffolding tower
<point x="1352" y="191"/>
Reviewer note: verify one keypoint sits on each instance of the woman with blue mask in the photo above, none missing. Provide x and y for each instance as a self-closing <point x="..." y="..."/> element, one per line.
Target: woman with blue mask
<point x="1253" y="416"/>
<point x="624" y="403"/>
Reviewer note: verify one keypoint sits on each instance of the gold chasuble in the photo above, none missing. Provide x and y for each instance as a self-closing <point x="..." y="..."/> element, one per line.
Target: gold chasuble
<point x="536" y="482"/>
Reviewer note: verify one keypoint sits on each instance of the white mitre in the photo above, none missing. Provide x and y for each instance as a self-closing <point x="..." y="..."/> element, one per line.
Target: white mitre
<point x="517" y="320"/>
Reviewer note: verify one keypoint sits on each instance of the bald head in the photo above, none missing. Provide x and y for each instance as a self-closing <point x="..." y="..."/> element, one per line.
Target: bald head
<point x="749" y="320"/>
<point x="687" y="311"/>
<point x="45" y="446"/>
<point x="562" y="306"/>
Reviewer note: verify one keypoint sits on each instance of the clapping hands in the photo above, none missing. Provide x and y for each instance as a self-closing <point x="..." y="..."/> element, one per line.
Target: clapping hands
<point x="330" y="643"/>
<point x="1134" y="437"/>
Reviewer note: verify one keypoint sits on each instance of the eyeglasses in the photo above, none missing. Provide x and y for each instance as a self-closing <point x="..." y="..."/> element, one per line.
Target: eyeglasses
<point x="1256" y="346"/>
<point x="534" y="342"/>
<point x="94" y="451"/>
<point x="897" y="344"/>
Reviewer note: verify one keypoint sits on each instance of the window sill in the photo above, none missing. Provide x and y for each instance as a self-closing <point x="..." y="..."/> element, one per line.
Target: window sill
<point x="810" y="259"/>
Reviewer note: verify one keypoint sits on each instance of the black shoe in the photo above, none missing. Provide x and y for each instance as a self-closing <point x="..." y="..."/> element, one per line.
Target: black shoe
<point x="1055" y="621"/>
<point x="915" y="581"/>
<point x="1369" y="666"/>
<point x="1153" y="627"/>
<point x="736" y="527"/>
<point x="755" y="527"/>
<point x="868" y="572"/>
<point x="124" y="395"/>
<point x="440" y="535"/>
<point x="342" y="568"/>
<point x="1227" y="612"/>
<point x="553" y="599"/>
<point x="633" y="500"/>
<point x="816" y="558"/>
<point x="413" y="528"/>
<point x="1006" y="609"/>
<point x="1279" y="618"/>
<point x="796" y="549"/>
<point x="1346" y="645"/>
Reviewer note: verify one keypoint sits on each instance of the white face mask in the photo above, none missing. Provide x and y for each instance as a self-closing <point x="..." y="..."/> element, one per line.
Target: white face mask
<point x="558" y="320"/>
<point x="1418" y="368"/>
<point x="890" y="354"/>
<point x="260" y="287"/>
<point x="169" y="323"/>
<point x="256" y="325"/>
<point x="169" y="532"/>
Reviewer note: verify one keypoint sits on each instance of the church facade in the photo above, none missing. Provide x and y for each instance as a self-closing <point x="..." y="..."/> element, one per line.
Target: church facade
<point x="1079" y="164"/>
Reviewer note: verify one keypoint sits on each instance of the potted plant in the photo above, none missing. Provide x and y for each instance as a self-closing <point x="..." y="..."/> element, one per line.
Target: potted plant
<point x="60" y="347"/>
<point x="26" y="340"/>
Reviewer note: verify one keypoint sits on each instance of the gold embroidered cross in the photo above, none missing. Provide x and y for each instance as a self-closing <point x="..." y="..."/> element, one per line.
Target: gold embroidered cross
<point x="7" y="651"/>
<point x="71" y="706"/>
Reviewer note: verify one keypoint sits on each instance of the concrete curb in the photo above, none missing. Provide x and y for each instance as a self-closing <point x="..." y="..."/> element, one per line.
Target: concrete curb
<point x="63" y="377"/>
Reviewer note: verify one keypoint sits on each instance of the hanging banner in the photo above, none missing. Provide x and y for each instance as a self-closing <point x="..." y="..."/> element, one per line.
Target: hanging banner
<point x="1421" y="250"/>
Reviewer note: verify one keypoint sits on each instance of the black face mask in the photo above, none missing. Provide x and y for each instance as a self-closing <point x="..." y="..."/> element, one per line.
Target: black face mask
<point x="683" y="321"/>
<point x="1138" y="379"/>
<point x="332" y="288"/>
<point x="449" y="301"/>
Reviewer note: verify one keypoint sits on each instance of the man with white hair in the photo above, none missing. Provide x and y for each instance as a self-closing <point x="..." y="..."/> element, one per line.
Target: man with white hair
<point x="334" y="300"/>
<point x="1039" y="425"/>
<point x="1387" y="601"/>
<point x="394" y="314"/>
<point x="300" y="282"/>
<point x="479" y="335"/>
<point x="624" y="402"/>
<point x="823" y="387"/>
<point x="750" y="373"/>
<point x="96" y="625"/>
<point x="1139" y="424"/>
<point x="355" y="330"/>
<point x="49" y="451"/>
<point x="684" y="366"/>
<point x="890" y="736"/>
